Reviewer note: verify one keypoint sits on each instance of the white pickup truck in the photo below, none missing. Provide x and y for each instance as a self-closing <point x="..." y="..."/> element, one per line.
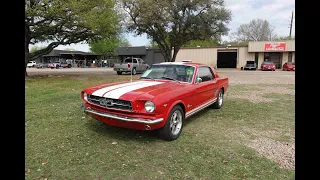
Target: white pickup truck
<point x="31" y="64"/>
<point x="137" y="65"/>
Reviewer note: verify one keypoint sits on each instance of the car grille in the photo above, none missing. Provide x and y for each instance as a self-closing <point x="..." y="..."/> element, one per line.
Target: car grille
<point x="110" y="103"/>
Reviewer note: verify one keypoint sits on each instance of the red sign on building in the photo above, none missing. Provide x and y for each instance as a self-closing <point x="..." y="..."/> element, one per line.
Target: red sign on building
<point x="275" y="46"/>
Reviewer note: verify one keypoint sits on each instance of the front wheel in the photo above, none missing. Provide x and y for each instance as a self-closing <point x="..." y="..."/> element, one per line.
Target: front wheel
<point x="219" y="102"/>
<point x="173" y="127"/>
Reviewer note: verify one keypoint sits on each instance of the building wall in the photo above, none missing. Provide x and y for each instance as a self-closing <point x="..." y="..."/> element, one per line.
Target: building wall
<point x="260" y="59"/>
<point x="293" y="57"/>
<point x="258" y="46"/>
<point x="198" y="55"/>
<point x="209" y="55"/>
<point x="244" y="56"/>
<point x="284" y="58"/>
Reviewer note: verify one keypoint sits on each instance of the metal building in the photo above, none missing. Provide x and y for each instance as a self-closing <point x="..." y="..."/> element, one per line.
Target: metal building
<point x="278" y="52"/>
<point x="149" y="55"/>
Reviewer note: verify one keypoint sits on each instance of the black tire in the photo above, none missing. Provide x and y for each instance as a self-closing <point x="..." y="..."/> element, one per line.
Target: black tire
<point x="134" y="71"/>
<point x="165" y="132"/>
<point x="52" y="67"/>
<point x="119" y="72"/>
<point x="57" y="67"/>
<point x="69" y="65"/>
<point x="219" y="102"/>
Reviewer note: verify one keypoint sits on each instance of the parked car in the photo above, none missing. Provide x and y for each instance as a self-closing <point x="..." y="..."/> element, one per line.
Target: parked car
<point x="31" y="64"/>
<point x="137" y="65"/>
<point x="59" y="64"/>
<point x="65" y="65"/>
<point x="269" y="66"/>
<point x="163" y="97"/>
<point x="250" y="65"/>
<point x="42" y="65"/>
<point x="289" y="66"/>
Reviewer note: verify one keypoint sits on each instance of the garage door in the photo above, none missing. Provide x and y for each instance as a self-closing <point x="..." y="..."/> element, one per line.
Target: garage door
<point x="273" y="57"/>
<point x="227" y="59"/>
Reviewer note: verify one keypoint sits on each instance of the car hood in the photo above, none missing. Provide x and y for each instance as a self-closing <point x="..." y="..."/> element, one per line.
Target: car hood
<point x="145" y="89"/>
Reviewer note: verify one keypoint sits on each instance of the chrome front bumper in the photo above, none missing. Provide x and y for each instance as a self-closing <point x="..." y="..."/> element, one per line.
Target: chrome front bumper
<point x="122" y="118"/>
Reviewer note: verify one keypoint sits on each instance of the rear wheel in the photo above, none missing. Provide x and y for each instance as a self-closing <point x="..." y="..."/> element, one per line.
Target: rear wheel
<point x="173" y="127"/>
<point x="219" y="102"/>
<point x="134" y="71"/>
<point x="119" y="72"/>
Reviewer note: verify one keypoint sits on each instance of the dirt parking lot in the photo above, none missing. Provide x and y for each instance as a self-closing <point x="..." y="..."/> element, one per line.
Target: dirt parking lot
<point x="235" y="76"/>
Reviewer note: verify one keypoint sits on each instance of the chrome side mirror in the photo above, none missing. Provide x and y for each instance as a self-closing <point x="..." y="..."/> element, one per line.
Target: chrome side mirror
<point x="198" y="80"/>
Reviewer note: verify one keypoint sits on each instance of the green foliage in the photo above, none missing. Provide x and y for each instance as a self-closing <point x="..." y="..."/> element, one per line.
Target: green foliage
<point x="106" y="46"/>
<point x="201" y="43"/>
<point x="172" y="24"/>
<point x="63" y="22"/>
<point x="285" y="38"/>
<point x="36" y="48"/>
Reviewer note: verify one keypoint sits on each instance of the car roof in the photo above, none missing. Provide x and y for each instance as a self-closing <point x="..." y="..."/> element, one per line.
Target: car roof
<point x="184" y="63"/>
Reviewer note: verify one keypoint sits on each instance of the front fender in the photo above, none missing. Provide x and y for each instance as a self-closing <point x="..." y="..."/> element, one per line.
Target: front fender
<point x="171" y="106"/>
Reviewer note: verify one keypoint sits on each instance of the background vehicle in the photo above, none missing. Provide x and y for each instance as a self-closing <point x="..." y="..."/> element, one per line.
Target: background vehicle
<point x="268" y="66"/>
<point x="31" y="64"/>
<point x="289" y="66"/>
<point x="42" y="65"/>
<point x="59" y="64"/>
<point x="164" y="96"/>
<point x="250" y="65"/>
<point x="138" y="66"/>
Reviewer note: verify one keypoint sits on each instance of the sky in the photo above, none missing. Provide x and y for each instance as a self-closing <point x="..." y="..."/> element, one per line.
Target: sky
<point x="276" y="12"/>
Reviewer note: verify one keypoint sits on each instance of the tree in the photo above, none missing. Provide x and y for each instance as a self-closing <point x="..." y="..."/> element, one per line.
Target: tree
<point x="202" y="43"/>
<point x="173" y="23"/>
<point x="256" y="30"/>
<point x="285" y="38"/>
<point x="36" y="48"/>
<point x="63" y="22"/>
<point x="106" y="46"/>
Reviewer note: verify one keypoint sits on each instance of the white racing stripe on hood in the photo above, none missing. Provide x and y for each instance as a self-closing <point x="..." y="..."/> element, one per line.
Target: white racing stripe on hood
<point x="101" y="91"/>
<point x="115" y="94"/>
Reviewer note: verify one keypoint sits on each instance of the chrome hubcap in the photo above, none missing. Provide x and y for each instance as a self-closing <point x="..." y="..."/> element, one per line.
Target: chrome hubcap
<point x="220" y="98"/>
<point x="134" y="71"/>
<point x="176" y="122"/>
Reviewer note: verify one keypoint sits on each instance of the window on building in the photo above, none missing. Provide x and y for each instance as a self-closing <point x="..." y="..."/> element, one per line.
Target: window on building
<point x="266" y="56"/>
<point x="290" y="57"/>
<point x="205" y="73"/>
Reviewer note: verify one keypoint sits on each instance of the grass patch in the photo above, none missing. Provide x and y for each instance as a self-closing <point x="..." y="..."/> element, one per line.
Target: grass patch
<point x="63" y="143"/>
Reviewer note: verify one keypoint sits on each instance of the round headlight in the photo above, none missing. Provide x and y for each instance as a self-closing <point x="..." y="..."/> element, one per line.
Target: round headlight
<point x="149" y="106"/>
<point x="85" y="96"/>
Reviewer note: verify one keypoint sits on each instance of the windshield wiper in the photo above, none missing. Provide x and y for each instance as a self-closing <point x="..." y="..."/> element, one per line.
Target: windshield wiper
<point x="146" y="78"/>
<point x="169" y="78"/>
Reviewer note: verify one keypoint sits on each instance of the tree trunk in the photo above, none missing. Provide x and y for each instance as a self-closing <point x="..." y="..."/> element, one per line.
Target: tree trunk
<point x="26" y="56"/>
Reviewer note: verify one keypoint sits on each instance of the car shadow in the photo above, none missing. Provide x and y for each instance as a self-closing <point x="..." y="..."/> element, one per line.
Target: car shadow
<point x="198" y="114"/>
<point x="120" y="133"/>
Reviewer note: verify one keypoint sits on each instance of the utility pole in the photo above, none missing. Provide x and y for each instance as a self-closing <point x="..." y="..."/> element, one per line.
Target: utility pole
<point x="291" y="25"/>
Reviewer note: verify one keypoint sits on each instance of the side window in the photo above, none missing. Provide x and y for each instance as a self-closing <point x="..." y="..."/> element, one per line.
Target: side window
<point x="205" y="73"/>
<point x="134" y="60"/>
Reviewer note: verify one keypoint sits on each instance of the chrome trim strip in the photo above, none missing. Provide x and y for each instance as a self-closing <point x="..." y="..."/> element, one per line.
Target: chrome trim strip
<point x="197" y="109"/>
<point x="122" y="118"/>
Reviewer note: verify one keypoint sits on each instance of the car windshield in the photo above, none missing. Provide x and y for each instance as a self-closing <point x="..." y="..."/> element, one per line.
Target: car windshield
<point x="291" y="63"/>
<point x="172" y="72"/>
<point x="250" y="62"/>
<point x="267" y="62"/>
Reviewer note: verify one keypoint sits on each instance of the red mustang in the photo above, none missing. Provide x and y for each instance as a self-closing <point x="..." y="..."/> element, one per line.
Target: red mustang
<point x="268" y="66"/>
<point x="163" y="97"/>
<point x="289" y="66"/>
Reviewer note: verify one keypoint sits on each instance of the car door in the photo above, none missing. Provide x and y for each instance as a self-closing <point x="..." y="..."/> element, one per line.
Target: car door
<point x="206" y="88"/>
<point x="143" y="65"/>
